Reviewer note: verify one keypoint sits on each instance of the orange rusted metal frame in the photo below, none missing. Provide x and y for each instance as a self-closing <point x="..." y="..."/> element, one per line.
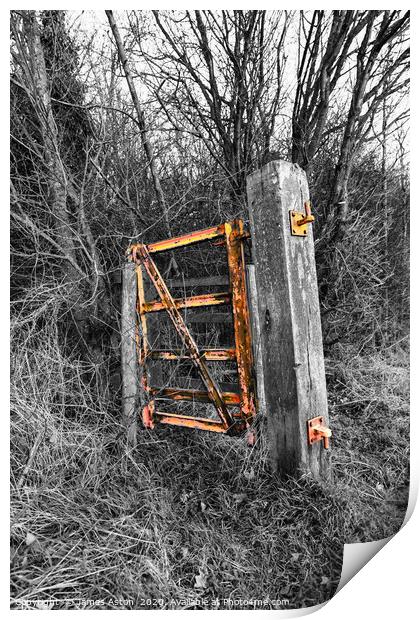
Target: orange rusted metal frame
<point x="208" y="299"/>
<point x="211" y="355"/>
<point x="207" y="234"/>
<point x="204" y="424"/>
<point x="230" y="234"/>
<point x="140" y="252"/>
<point x="234" y="232"/>
<point x="143" y="351"/>
<point x="178" y="242"/>
<point x="230" y="398"/>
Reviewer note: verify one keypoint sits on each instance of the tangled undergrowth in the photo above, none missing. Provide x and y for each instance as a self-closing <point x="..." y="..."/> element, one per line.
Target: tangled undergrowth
<point x="188" y="519"/>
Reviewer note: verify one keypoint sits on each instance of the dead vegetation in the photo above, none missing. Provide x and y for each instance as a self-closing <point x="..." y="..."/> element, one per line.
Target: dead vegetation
<point x="189" y="516"/>
<point x="369" y="408"/>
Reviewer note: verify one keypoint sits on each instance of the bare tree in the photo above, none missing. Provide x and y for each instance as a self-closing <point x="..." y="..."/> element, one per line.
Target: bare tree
<point x="320" y="67"/>
<point x="379" y="36"/>
<point x="219" y="77"/>
<point x="64" y="224"/>
<point x="34" y="82"/>
<point x="356" y="45"/>
<point x="148" y="149"/>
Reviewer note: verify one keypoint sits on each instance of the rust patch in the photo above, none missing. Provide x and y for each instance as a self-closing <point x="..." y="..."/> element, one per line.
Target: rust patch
<point x="178" y="242"/>
<point x="211" y="355"/>
<point x="242" y="327"/>
<point x="317" y="431"/>
<point x="299" y="221"/>
<point x="208" y="299"/>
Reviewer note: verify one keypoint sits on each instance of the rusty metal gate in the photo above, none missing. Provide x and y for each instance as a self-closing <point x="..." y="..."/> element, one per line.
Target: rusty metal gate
<point x="243" y="400"/>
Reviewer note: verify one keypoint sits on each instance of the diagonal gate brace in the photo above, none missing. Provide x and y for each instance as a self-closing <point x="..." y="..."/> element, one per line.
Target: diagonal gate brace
<point x="141" y="253"/>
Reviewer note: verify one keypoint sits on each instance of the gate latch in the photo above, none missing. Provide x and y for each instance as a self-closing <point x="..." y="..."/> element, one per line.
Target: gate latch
<point x="299" y="221"/>
<point x="317" y="431"/>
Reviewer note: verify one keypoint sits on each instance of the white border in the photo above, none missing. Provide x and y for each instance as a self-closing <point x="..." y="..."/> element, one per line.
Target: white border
<point x="387" y="586"/>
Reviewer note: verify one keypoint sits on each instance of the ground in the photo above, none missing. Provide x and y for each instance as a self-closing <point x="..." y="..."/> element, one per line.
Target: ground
<point x="190" y="519"/>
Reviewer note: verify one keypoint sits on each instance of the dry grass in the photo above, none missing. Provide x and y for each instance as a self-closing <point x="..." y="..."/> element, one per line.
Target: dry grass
<point x="188" y="515"/>
<point x="369" y="409"/>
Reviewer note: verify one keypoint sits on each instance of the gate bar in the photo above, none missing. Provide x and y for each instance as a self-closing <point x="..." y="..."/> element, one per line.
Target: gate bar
<point x="207" y="299"/>
<point x="204" y="424"/>
<point x="143" y="345"/>
<point x="235" y="252"/>
<point x="178" y="242"/>
<point x="211" y="355"/>
<point x="174" y="393"/>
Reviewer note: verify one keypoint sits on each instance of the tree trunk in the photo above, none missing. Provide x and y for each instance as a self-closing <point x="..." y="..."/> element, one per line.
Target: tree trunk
<point x="141" y="121"/>
<point x="56" y="176"/>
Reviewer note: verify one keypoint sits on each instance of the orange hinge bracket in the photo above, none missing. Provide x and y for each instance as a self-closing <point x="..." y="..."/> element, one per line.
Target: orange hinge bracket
<point x="299" y="221"/>
<point x="317" y="431"/>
